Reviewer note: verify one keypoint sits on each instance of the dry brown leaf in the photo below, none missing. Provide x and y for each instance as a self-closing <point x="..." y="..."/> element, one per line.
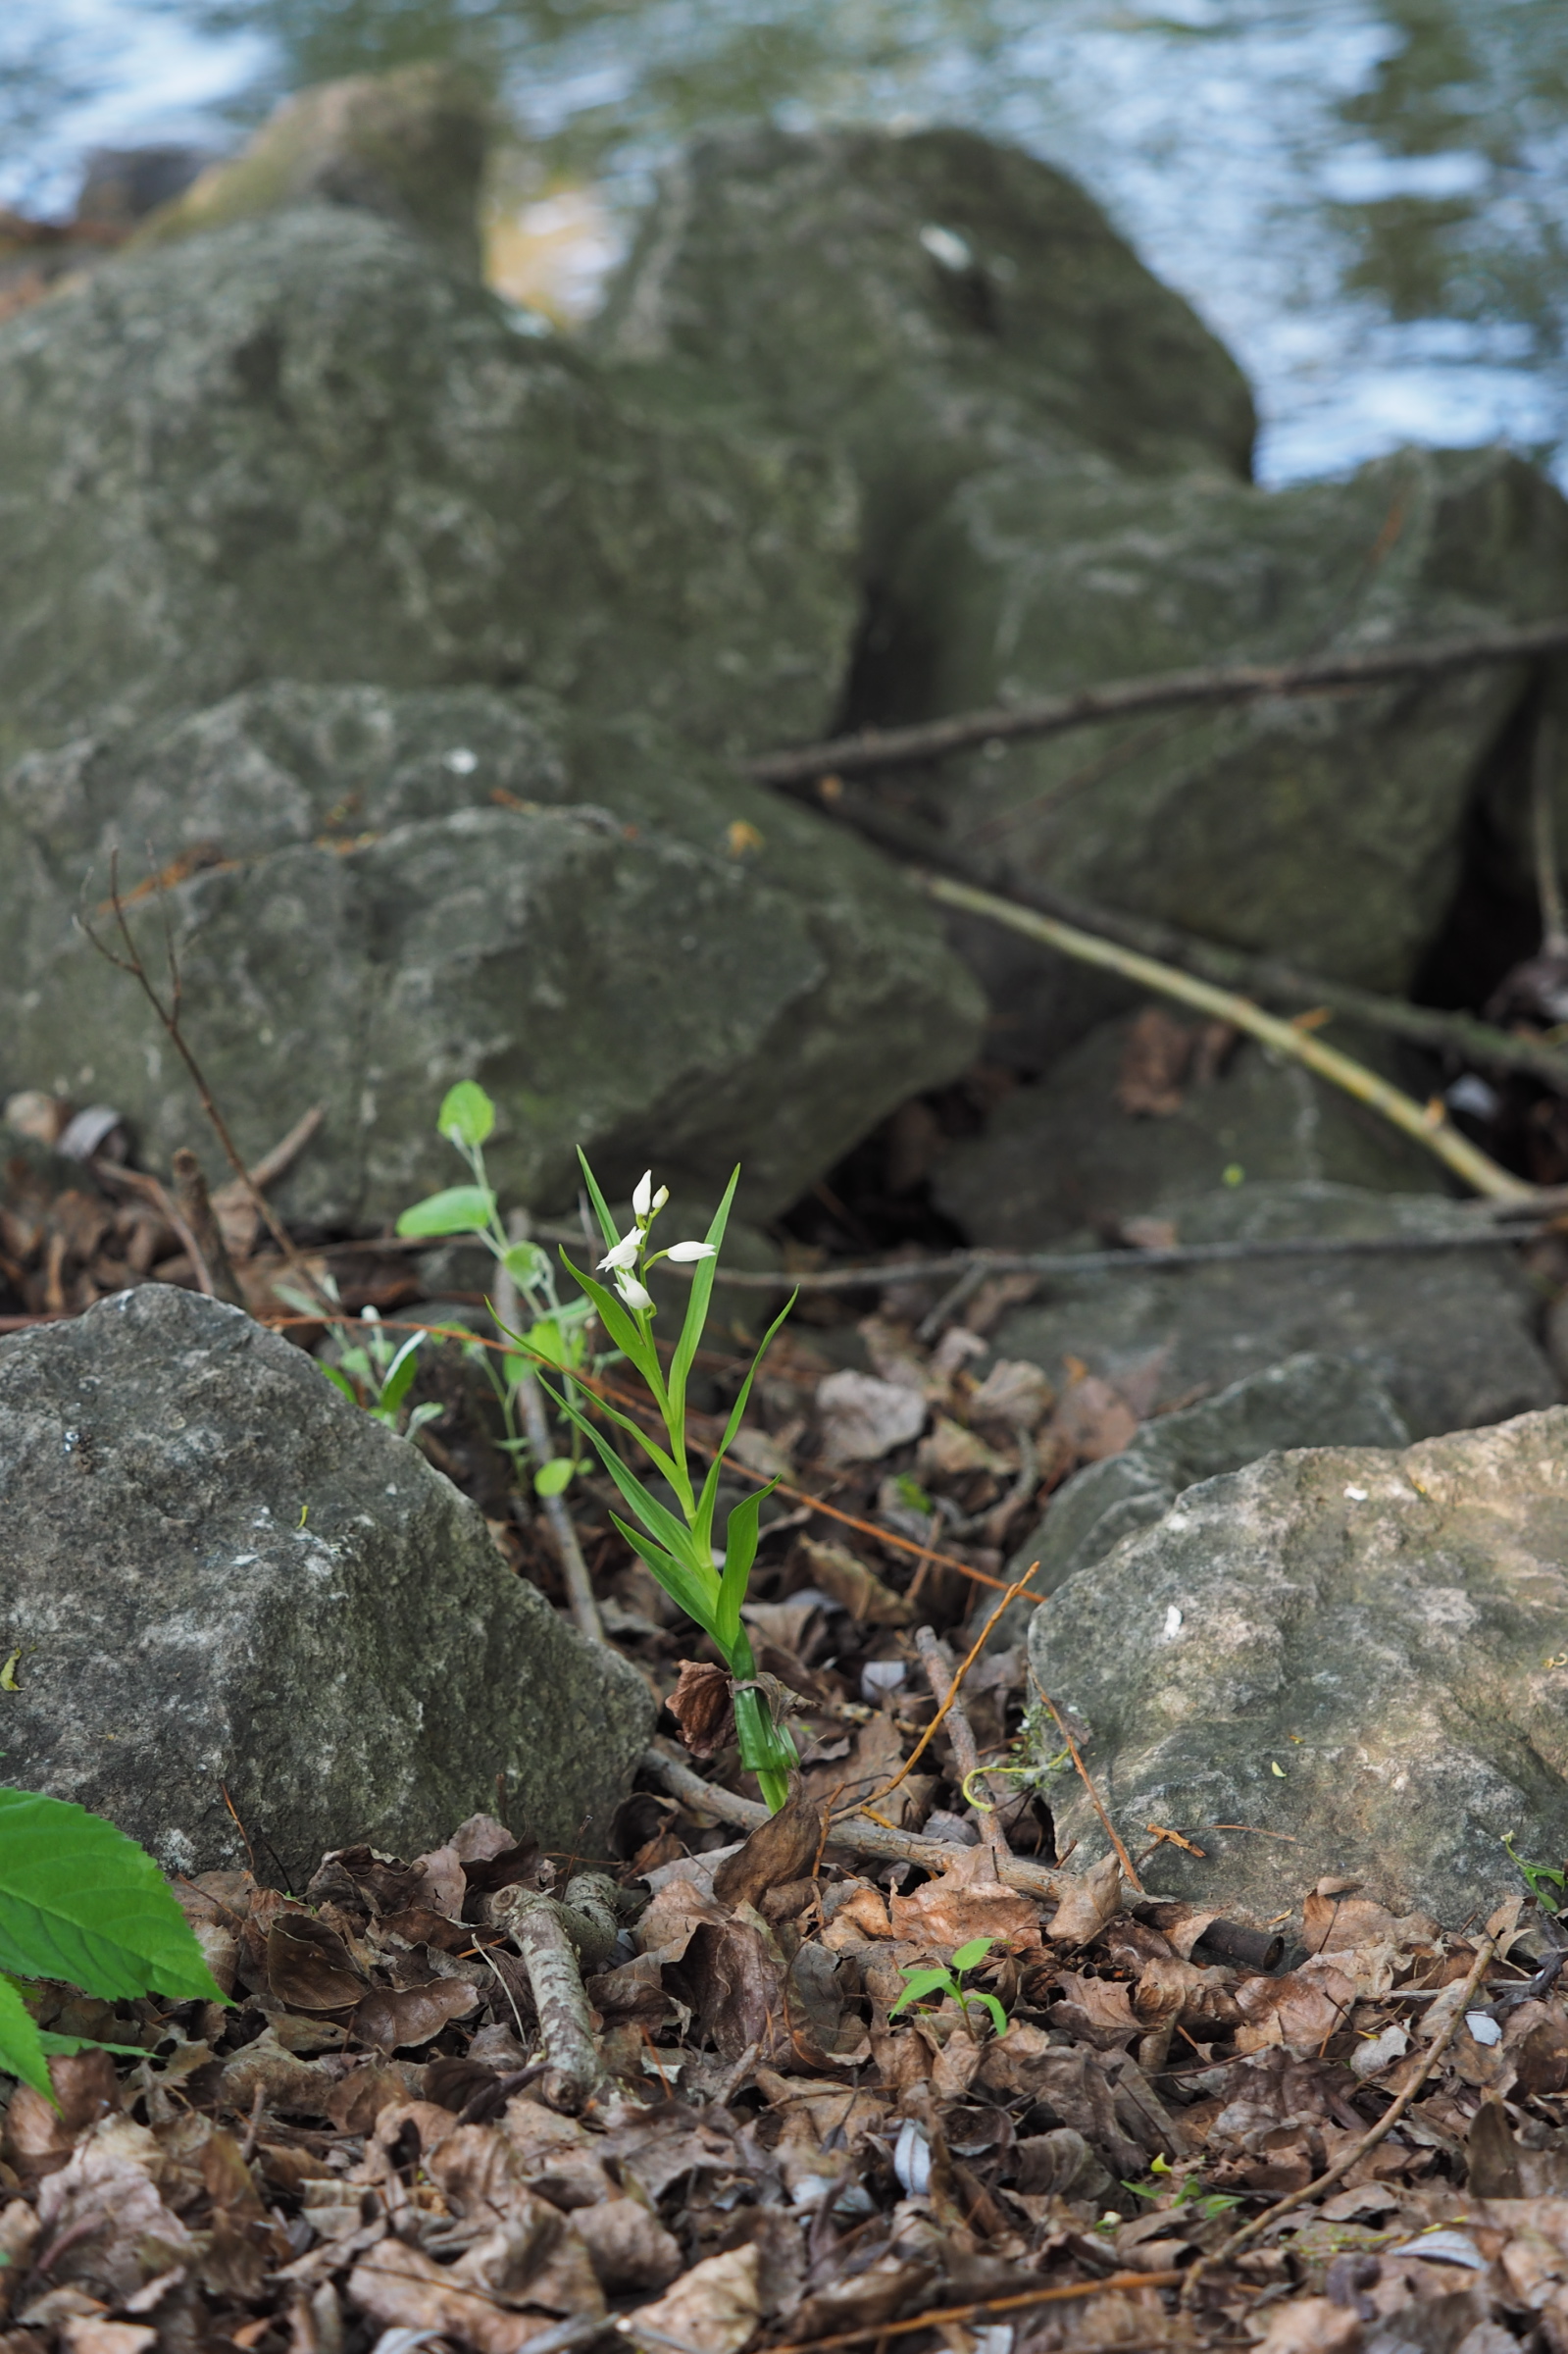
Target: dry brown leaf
<point x="1089" y="1902"/>
<point x="951" y="1451"/>
<point x="1312" y="2326"/>
<point x="309" y="1967"/>
<point x="1104" y="2002"/>
<point x="86" y="2334"/>
<point x="874" y="1754"/>
<point x="444" y="1884"/>
<point x="886" y="2290"/>
<point x="1094" y="1419"/>
<point x="1155" y="1056"/>
<point x="703" y="1706"/>
<point x="784" y="1848"/>
<point x="1014" y="1392"/>
<point x="403" y="2289"/>
<point x="863" y="1418"/>
<point x="627" y="2246"/>
<point x="284" y="2082"/>
<point x="715" y="2309"/>
<point x="965" y="1901"/>
<point x="845" y="1579"/>
<point x="1303" y="2009"/>
<point x="400" y="2019"/>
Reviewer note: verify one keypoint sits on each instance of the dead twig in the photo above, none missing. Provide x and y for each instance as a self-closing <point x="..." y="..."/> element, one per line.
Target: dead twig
<point x="1072" y="2293"/>
<point x="555" y="1938"/>
<point x="213" y="1268"/>
<point x="1359" y="2149"/>
<point x="1128" y="1872"/>
<point x="133" y="963"/>
<point x="1544" y="830"/>
<point x="929" y="1735"/>
<point x="1429" y="1126"/>
<point x="1166" y="690"/>
<point x="937" y="1660"/>
<point x="573" y="1568"/>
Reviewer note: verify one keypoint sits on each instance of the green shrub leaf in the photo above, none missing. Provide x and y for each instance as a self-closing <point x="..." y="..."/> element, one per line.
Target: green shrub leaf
<point x="21" y="2051"/>
<point x="460" y="1209"/>
<point x="79" y="1901"/>
<point x="466" y="1116"/>
<point x="552" y="1477"/>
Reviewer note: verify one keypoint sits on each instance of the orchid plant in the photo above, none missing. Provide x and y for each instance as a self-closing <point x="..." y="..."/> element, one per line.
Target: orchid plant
<point x="677" y="1546"/>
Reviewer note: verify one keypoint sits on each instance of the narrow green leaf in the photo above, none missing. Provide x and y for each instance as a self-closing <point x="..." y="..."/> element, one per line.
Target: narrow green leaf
<point x="460" y="1209"/>
<point x="702" y="1523"/>
<point x="661" y="1524"/>
<point x="696" y="1316"/>
<point x="675" y="1576"/>
<point x="921" y="1983"/>
<point x="21" y="2046"/>
<point x="340" y="1381"/>
<point x="554" y="1477"/>
<point x="400" y="1373"/>
<point x="998" y="2017"/>
<point x="623" y="1329"/>
<point x="81" y="1902"/>
<point x="601" y="1207"/>
<point x="661" y="1462"/>
<point x="975" y="1951"/>
<point x="466" y="1116"/>
<point x="740" y="1552"/>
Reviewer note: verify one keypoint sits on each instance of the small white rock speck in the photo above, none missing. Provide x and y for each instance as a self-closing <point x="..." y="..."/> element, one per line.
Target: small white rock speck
<point x="1356" y="1495"/>
<point x="1172" y="1622"/>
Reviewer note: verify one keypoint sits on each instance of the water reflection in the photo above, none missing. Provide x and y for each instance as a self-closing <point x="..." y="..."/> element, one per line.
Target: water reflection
<point x="1366" y="197"/>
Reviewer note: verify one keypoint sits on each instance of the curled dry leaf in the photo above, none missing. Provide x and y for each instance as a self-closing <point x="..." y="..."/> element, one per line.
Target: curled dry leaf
<point x="627" y="2246"/>
<point x="1303" y="2008"/>
<point x="703" y="1706"/>
<point x="403" y="2289"/>
<point x="1088" y="1902"/>
<point x="400" y="2019"/>
<point x="965" y="1901"/>
<point x="714" y="2310"/>
<point x="309" y="1967"/>
<point x="845" y="1579"/>
<point x="784" y="1848"/>
<point x="1014" y="1392"/>
<point x="1095" y="1420"/>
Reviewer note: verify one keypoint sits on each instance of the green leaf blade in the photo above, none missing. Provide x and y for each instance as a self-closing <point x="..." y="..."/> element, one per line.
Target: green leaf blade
<point x="458" y="1209"/>
<point x="975" y="1951"/>
<point x="80" y="1902"/>
<point x="20" y="2045"/>
<point x="466" y="1116"/>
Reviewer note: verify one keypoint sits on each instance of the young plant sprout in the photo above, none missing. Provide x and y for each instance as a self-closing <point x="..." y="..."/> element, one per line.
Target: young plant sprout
<point x="677" y="1546"/>
<point x="935" y="1978"/>
<point x="557" y="1330"/>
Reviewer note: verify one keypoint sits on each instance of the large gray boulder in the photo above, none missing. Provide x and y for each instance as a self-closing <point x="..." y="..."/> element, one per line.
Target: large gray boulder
<point x="223" y="1576"/>
<point x="302" y="446"/>
<point x="1354" y="1653"/>
<point x="1067" y="1154"/>
<point x="1451" y="1335"/>
<point x="1326" y="830"/>
<point x="933" y="301"/>
<point x="627" y="947"/>
<point x="1307" y="1402"/>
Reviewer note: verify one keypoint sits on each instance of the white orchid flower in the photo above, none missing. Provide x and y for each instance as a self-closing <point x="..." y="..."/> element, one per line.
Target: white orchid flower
<point x="642" y="1197"/>
<point x="624" y="1253"/>
<point x="685" y="1253"/>
<point x="630" y="1291"/>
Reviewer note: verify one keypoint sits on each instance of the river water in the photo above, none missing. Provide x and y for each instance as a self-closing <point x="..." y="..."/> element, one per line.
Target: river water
<point x="1367" y="198"/>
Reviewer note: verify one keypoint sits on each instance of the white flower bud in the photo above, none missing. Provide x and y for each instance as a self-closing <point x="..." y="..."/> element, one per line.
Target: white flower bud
<point x="685" y="1253"/>
<point x="630" y="1291"/>
<point x="642" y="1197"/>
<point x="624" y="1253"/>
<point x="660" y="1197"/>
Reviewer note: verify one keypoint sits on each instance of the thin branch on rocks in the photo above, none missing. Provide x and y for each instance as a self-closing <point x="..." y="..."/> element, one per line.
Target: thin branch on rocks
<point x="556" y="1938"/>
<point x="1129" y="1868"/>
<point x="938" y="1662"/>
<point x="133" y="963"/>
<point x="1166" y="690"/>
<point x="1429" y="1125"/>
<point x="573" y="1568"/>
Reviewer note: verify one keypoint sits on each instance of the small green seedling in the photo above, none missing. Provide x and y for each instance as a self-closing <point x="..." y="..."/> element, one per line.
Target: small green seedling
<point x="677" y="1546"/>
<point x="376" y="1372"/>
<point x="1189" y="2191"/>
<point x="80" y="1902"/>
<point x="557" y="1330"/>
<point x="1539" y="1877"/>
<point x="934" y="1978"/>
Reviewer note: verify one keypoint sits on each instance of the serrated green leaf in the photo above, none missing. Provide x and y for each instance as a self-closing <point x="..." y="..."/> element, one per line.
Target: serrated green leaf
<point x="466" y="1116"/>
<point x="21" y="2049"/>
<point x="79" y="1901"/>
<point x="460" y="1209"/>
<point x="555" y="1476"/>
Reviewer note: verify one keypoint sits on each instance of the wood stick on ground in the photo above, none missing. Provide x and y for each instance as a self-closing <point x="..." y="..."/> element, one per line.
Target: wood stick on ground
<point x="1129" y="1868"/>
<point x="1357" y="2150"/>
<point x="1072" y="2292"/>
<point x="555" y="1939"/>
<point x="938" y="1662"/>
<point x="215" y="1269"/>
<point x="1430" y="1127"/>
<point x="1254" y="976"/>
<point x="1543" y="829"/>
<point x="579" y="1594"/>
<point x="945" y="1704"/>
<point x="852" y="1837"/>
<point x="1164" y="691"/>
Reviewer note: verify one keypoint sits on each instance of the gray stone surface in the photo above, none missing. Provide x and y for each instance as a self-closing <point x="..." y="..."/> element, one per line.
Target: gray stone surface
<point x="302" y="446"/>
<point x="1382" y="1625"/>
<point x="628" y="947"/>
<point x="219" y="1571"/>
<point x="1451" y="1335"/>
<point x="1307" y="1402"/>
<point x="1328" y="828"/>
<point x="1063" y="1155"/>
<point x="823" y="277"/>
